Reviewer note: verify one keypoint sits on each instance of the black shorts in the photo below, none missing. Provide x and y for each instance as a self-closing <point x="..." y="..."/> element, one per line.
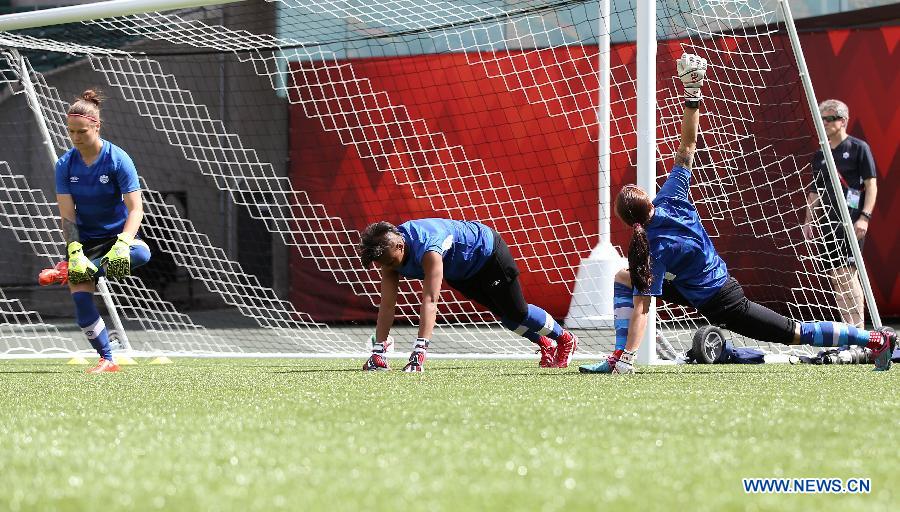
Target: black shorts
<point x="729" y="308"/>
<point x="836" y="252"/>
<point x="97" y="248"/>
<point x="496" y="285"/>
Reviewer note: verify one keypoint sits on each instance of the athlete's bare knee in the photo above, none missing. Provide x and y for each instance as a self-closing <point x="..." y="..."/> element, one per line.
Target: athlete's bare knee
<point x="623" y="277"/>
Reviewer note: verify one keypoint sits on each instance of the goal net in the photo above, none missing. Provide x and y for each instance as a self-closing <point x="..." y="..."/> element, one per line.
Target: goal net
<point x="267" y="134"/>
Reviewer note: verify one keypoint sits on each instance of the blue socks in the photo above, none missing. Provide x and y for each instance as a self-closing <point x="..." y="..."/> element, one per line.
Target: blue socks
<point x="623" y="306"/>
<point x="832" y="334"/>
<point x="88" y="318"/>
<point x="536" y="323"/>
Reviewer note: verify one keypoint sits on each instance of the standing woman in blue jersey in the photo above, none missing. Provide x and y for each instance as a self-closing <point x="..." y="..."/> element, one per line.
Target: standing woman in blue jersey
<point x="100" y="207"/>
<point x="474" y="260"/>
<point x="669" y="240"/>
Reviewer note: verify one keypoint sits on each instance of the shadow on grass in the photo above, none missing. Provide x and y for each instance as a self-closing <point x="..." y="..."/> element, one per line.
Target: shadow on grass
<point x="359" y="370"/>
<point x="695" y="372"/>
<point x="704" y="371"/>
<point x="32" y="371"/>
<point x="319" y="370"/>
<point x="538" y="373"/>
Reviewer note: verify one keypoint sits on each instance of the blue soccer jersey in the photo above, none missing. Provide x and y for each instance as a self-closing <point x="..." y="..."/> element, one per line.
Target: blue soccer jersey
<point x="97" y="189"/>
<point x="680" y="246"/>
<point x="464" y="246"/>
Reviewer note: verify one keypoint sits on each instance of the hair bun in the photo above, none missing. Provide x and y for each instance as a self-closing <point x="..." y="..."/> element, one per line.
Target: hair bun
<point x="92" y="96"/>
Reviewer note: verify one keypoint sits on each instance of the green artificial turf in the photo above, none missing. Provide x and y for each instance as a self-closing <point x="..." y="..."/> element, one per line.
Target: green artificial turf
<point x="466" y="435"/>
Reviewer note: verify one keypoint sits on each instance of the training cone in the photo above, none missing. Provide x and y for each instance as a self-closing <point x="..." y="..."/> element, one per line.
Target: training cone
<point x="78" y="360"/>
<point x="161" y="360"/>
<point x="124" y="360"/>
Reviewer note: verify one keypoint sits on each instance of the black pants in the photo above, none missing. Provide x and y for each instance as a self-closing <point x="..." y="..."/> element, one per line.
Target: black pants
<point x="731" y="309"/>
<point x="496" y="286"/>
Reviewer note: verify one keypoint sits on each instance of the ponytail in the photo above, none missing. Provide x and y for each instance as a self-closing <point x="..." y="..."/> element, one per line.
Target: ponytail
<point x="639" y="259"/>
<point x="633" y="206"/>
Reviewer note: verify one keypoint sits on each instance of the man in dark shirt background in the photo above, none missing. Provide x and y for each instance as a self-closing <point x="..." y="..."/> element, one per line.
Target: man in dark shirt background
<point x="856" y="168"/>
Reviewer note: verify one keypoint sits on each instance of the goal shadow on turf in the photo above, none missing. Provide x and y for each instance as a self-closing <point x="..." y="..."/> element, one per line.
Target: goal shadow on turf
<point x="30" y="371"/>
<point x="358" y="370"/>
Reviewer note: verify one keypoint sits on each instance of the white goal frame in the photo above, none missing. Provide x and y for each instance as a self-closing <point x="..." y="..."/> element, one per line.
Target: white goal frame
<point x="604" y="259"/>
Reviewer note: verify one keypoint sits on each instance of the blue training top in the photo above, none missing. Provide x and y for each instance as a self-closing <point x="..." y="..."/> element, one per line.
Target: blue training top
<point x="97" y="189"/>
<point x="680" y="246"/>
<point x="464" y="246"/>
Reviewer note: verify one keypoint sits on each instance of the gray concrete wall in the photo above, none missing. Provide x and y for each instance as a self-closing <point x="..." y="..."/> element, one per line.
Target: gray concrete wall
<point x="230" y="90"/>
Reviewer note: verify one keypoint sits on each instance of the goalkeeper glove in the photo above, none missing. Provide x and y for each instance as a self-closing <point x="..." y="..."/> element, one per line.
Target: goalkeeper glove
<point x="417" y="358"/>
<point x="378" y="359"/>
<point x="81" y="269"/>
<point x="692" y="72"/>
<point x="382" y="346"/>
<point x="625" y="364"/>
<point x="118" y="259"/>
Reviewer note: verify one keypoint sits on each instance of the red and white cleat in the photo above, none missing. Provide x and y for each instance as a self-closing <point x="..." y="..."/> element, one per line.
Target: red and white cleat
<point x="885" y="350"/>
<point x="104" y="366"/>
<point x="565" y="346"/>
<point x="548" y="353"/>
<point x="58" y="274"/>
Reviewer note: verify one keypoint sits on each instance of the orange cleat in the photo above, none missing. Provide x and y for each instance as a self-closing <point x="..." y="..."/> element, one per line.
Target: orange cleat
<point x="104" y="366"/>
<point x="58" y="274"/>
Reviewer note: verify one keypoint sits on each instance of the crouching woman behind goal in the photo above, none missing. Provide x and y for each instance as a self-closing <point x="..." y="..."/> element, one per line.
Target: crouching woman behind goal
<point x="475" y="261"/>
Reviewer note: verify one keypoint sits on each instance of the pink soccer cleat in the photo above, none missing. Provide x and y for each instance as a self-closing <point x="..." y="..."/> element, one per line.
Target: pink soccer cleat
<point x="548" y="353"/>
<point x="885" y="350"/>
<point x="566" y="345"/>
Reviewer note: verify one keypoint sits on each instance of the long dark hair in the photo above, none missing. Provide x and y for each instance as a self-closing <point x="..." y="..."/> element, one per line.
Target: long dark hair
<point x="633" y="206"/>
<point x="375" y="242"/>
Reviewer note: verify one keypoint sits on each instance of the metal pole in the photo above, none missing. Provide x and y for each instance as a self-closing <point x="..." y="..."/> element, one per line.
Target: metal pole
<point x="603" y="114"/>
<point x="829" y="162"/>
<point x="646" y="138"/>
<point x="103" y="287"/>
<point x="98" y="10"/>
<point x="592" y="298"/>
<point x="28" y="87"/>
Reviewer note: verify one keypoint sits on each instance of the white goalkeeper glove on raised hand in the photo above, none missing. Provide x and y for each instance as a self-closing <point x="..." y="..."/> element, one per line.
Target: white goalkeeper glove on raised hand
<point x="692" y="72"/>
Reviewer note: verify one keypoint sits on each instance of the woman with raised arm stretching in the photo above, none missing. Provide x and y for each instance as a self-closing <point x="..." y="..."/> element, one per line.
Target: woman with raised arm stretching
<point x="671" y="256"/>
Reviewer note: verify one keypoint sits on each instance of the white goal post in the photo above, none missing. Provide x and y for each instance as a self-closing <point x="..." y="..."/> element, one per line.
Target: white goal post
<point x="269" y="133"/>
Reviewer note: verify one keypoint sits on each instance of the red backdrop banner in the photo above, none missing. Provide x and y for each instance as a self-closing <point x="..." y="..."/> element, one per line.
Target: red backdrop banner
<point x="545" y="149"/>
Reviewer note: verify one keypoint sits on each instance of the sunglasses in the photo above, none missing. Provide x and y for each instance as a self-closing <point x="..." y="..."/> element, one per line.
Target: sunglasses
<point x="831" y="119"/>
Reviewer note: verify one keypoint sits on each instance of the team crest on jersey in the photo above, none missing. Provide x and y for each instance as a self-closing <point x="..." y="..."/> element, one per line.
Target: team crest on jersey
<point x="846" y="155"/>
<point x="73" y="179"/>
<point x="104" y="179"/>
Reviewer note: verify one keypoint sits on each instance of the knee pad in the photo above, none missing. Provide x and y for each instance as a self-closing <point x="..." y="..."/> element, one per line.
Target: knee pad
<point x="140" y="253"/>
